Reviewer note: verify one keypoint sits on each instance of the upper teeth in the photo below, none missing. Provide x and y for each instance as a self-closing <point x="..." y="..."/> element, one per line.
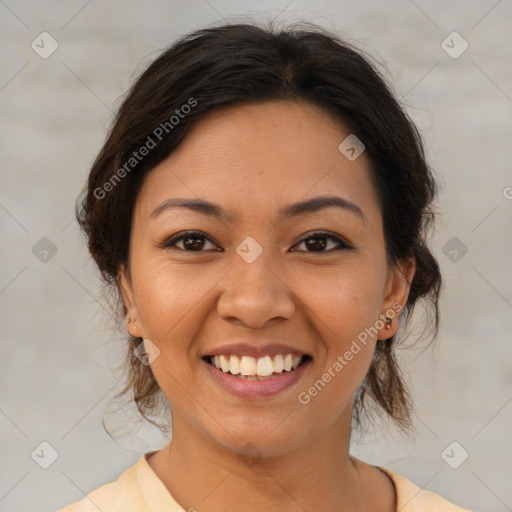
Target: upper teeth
<point x="262" y="366"/>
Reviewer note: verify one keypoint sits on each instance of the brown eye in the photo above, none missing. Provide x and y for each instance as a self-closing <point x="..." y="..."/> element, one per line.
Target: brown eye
<point x="323" y="242"/>
<point x="192" y="241"/>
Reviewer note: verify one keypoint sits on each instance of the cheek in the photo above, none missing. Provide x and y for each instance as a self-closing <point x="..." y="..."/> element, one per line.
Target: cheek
<point x="172" y="302"/>
<point x="346" y="300"/>
<point x="344" y="327"/>
<point x="346" y="305"/>
<point x="167" y="296"/>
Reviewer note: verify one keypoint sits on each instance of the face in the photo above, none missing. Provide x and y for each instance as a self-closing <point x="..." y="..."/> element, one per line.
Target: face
<point x="264" y="274"/>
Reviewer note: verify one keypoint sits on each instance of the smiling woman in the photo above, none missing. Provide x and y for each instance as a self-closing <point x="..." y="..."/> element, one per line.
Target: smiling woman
<point x="266" y="253"/>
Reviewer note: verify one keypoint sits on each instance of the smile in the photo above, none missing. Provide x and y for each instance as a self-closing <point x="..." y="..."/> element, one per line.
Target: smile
<point x="251" y="377"/>
<point x="251" y="366"/>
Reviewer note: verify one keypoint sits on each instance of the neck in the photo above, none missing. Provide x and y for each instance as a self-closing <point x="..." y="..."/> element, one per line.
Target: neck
<point x="316" y="475"/>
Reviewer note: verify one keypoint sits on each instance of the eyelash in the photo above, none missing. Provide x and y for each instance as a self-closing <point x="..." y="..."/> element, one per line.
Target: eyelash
<point x="342" y="244"/>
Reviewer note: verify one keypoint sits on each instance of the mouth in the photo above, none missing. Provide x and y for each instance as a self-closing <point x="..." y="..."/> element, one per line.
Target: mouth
<point x="261" y="368"/>
<point x="251" y="377"/>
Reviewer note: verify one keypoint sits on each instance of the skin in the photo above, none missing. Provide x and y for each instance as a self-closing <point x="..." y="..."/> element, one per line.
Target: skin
<point x="252" y="160"/>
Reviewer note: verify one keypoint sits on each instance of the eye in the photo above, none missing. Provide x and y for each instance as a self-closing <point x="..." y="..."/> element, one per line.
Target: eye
<point x="193" y="241"/>
<point x="319" y="242"/>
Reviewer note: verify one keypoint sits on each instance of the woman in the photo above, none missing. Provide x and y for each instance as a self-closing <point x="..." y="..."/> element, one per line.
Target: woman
<point x="261" y="207"/>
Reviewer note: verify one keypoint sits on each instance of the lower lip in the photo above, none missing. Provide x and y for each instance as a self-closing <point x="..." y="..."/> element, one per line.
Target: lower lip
<point x="257" y="388"/>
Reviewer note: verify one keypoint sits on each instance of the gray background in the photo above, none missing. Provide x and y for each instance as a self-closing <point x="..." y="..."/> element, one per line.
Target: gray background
<point x="58" y="355"/>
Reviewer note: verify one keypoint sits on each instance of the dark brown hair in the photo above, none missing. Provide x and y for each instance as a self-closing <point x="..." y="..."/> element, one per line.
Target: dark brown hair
<point x="236" y="63"/>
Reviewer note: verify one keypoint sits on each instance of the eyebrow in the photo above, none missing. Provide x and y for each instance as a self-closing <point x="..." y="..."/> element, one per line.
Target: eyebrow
<point x="289" y="211"/>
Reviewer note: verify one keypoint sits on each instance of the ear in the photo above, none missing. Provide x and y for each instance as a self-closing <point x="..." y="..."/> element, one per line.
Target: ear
<point x="397" y="290"/>
<point x="126" y="288"/>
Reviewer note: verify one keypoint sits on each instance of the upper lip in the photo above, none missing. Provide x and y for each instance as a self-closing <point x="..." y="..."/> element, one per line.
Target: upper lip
<point x="252" y="350"/>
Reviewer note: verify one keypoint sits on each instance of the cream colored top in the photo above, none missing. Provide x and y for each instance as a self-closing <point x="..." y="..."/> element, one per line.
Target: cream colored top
<point x="139" y="489"/>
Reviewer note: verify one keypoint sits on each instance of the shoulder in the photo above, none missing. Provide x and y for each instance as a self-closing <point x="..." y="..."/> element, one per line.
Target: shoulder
<point x="411" y="498"/>
<point x="121" y="495"/>
<point x="138" y="489"/>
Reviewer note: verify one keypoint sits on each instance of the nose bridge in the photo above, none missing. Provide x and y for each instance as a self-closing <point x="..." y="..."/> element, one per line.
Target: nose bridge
<point x="253" y="290"/>
<point x="251" y="267"/>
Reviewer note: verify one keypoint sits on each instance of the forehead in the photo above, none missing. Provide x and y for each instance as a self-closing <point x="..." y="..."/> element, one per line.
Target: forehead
<point x="259" y="156"/>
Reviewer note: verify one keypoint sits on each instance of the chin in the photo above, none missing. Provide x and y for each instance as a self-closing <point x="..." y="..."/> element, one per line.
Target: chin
<point x="257" y="442"/>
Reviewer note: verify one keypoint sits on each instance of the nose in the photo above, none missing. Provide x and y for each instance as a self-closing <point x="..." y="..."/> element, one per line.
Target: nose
<point x="255" y="293"/>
